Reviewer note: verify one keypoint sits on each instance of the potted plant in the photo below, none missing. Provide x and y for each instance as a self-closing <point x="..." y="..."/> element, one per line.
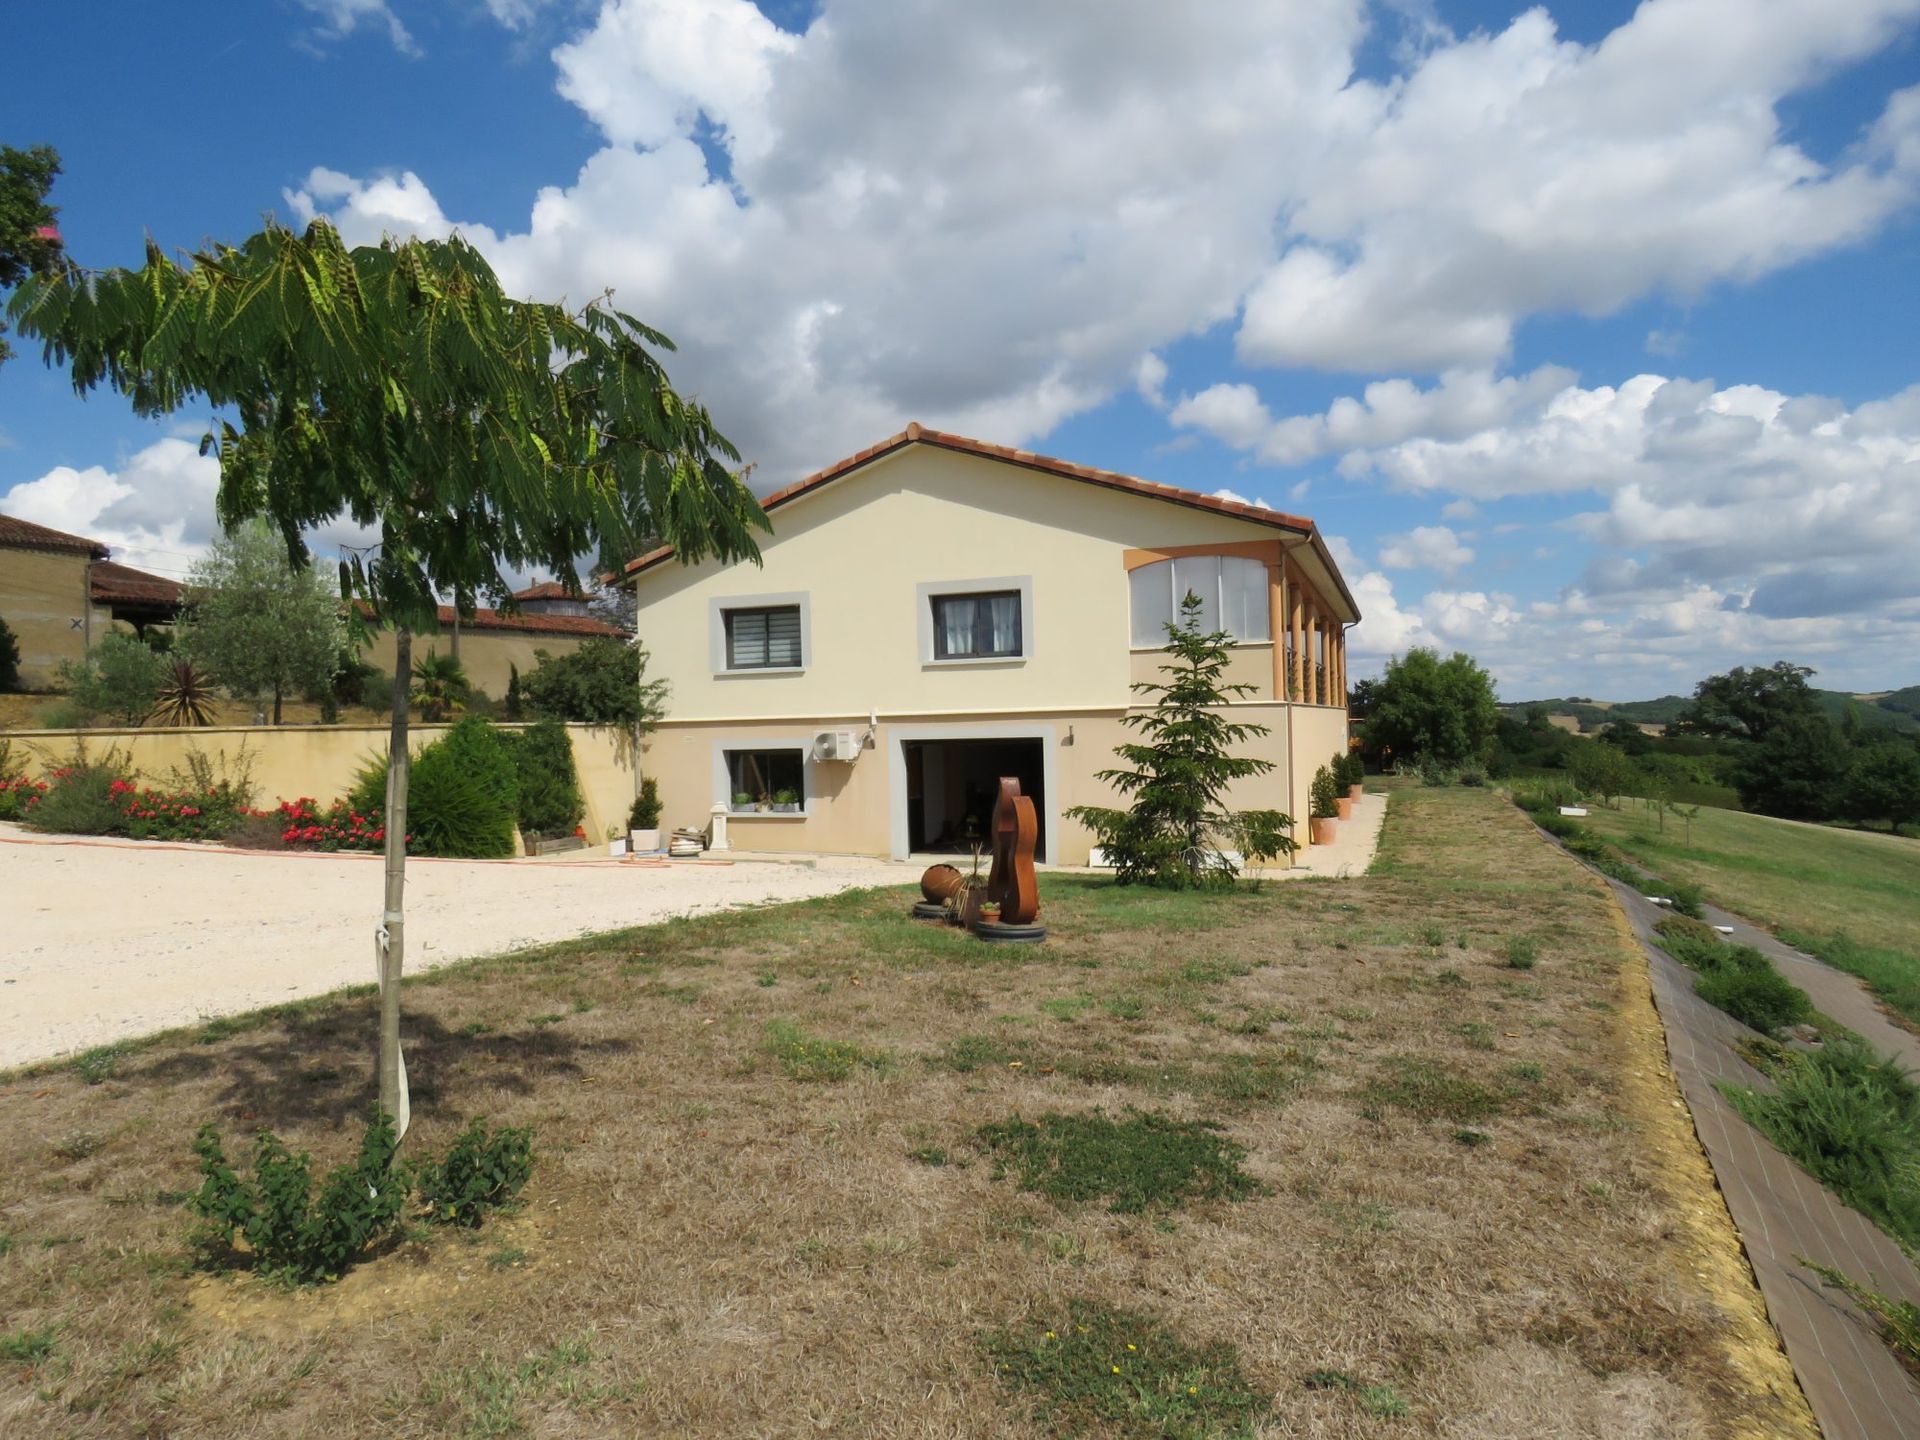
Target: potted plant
<point x="1356" y="775"/>
<point x="743" y="801"/>
<point x="643" y="820"/>
<point x="616" y="841"/>
<point x="786" y="802"/>
<point x="1325" y="807"/>
<point x="1336" y="769"/>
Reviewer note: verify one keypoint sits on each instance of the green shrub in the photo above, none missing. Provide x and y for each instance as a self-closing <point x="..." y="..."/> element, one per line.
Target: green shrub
<point x="1323" y="796"/>
<point x="461" y="794"/>
<point x="481" y="1172"/>
<point x="1851" y="1118"/>
<point x="547" y="783"/>
<point x="1144" y="1161"/>
<point x="292" y="1233"/>
<point x="645" y="814"/>
<point x="1757" y="995"/>
<point x="1899" y="1320"/>
<point x="1099" y="1370"/>
<point x="1523" y="952"/>
<point x="9" y="660"/>
<point x="117" y="680"/>
<point x="82" y="797"/>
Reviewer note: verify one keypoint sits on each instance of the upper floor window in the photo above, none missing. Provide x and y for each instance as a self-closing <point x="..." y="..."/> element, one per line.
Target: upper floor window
<point x="982" y="625"/>
<point x="1232" y="590"/>
<point x="765" y="637"/>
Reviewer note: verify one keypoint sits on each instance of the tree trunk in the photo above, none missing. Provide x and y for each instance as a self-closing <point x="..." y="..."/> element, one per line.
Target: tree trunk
<point x="276" y="702"/>
<point x="389" y="945"/>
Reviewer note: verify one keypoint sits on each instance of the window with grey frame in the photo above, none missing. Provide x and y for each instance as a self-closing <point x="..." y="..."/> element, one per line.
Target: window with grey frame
<point x="979" y="625"/>
<point x="765" y="637"/>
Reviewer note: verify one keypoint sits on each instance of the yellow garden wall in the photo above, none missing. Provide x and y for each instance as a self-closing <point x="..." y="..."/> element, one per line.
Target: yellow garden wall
<point x="490" y="656"/>
<point x="322" y="760"/>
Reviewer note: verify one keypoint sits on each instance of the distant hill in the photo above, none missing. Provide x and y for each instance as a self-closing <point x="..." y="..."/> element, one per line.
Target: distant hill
<point x="1896" y="710"/>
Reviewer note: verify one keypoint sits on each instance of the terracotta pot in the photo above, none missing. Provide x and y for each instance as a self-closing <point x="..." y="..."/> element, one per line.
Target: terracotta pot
<point x="1354" y="792"/>
<point x="1321" y="830"/>
<point x="939" y="882"/>
<point x="1345" y="807"/>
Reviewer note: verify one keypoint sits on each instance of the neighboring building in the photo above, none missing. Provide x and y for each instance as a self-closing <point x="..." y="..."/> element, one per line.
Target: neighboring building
<point x="59" y="593"/>
<point x="933" y="613"/>
<point x="492" y="645"/>
<point x="550" y="597"/>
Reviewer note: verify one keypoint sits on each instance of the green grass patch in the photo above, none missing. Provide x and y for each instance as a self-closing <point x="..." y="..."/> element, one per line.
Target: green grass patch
<point x="1523" y="952"/>
<point x="493" y="1398"/>
<point x="1428" y="1090"/>
<point x="1735" y="978"/>
<point x="1145" y="1161"/>
<point x="1851" y="1118"/>
<point x="26" y="1347"/>
<point x="1119" y="1373"/>
<point x="808" y="1057"/>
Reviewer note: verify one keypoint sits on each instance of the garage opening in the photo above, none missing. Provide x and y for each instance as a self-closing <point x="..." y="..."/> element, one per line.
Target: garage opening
<point x="952" y="786"/>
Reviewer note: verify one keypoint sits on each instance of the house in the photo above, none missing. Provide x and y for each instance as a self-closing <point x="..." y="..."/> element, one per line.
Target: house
<point x="59" y="593"/>
<point x="933" y="613"/>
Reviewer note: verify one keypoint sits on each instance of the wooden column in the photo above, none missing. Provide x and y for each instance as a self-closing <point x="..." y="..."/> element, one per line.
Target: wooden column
<point x="1315" y="675"/>
<point x="1277" y="623"/>
<point x="1296" y="688"/>
<point x="1340" y="664"/>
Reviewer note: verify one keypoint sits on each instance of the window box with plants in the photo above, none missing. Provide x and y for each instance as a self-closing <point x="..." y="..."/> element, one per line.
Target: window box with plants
<point x="643" y="820"/>
<point x="1326" y="809"/>
<point x="786" y="802"/>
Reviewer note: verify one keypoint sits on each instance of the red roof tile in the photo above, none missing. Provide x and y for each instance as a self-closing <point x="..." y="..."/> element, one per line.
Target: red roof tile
<point x="113" y="583"/>
<point x="918" y="434"/>
<point x="546" y="590"/>
<point x="26" y="534"/>
<point x="584" y="625"/>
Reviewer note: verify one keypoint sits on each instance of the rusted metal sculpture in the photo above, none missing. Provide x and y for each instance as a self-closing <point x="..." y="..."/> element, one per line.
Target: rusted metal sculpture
<point x="939" y="884"/>
<point x="1011" y="883"/>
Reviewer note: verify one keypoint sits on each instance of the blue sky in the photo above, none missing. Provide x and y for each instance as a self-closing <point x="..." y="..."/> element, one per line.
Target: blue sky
<point x="1586" y="331"/>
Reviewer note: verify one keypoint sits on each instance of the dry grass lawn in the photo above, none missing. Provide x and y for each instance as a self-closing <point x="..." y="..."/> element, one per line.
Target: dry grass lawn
<point x="1464" y="1224"/>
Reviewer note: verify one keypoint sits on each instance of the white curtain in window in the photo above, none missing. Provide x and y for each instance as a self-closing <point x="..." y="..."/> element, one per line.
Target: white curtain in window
<point x="1152" y="587"/>
<point x="956" y="616"/>
<point x="1199" y="574"/>
<point x="1003" y="613"/>
<point x="1243" y="599"/>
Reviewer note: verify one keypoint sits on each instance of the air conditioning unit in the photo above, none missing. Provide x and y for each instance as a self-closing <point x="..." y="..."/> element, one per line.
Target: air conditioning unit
<point x="842" y="745"/>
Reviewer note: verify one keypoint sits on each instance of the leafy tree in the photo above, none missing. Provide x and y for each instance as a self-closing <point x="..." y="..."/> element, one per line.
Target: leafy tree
<point x="262" y="625"/>
<point x="549" y="782"/>
<point x="1602" y="769"/>
<point x="395" y="386"/>
<point x="603" y="682"/>
<point x="1361" y="697"/>
<point x="1627" y="736"/>
<point x="1748" y="704"/>
<point x="440" y="686"/>
<point x="9" y="660"/>
<point x="1440" y="712"/>
<point x="1797" y="771"/>
<point x="1883" y="783"/>
<point x="29" y="242"/>
<point x="119" y="679"/>
<point x="1179" y="827"/>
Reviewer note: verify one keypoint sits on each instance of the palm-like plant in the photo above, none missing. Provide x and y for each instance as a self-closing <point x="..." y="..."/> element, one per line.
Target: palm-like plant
<point x="185" y="696"/>
<point x="441" y="689"/>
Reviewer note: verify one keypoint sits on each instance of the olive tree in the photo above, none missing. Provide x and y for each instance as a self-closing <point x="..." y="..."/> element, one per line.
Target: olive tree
<point x="396" y="388"/>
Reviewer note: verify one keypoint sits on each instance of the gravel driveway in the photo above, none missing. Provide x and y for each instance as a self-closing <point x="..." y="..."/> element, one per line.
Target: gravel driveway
<point x="107" y="939"/>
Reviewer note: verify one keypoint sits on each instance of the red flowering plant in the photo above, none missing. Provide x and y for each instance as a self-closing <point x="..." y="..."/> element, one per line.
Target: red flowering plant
<point x="170" y="815"/>
<point x="19" y="795"/>
<point x="304" y="826"/>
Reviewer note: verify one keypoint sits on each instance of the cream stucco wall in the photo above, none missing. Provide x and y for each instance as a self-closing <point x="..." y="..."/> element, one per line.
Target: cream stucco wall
<point x="44" y="600"/>
<point x="861" y="548"/>
<point x="321" y="761"/>
<point x="858" y="808"/>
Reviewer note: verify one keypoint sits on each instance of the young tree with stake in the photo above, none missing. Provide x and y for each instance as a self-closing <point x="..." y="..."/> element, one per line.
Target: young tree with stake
<point x="396" y="387"/>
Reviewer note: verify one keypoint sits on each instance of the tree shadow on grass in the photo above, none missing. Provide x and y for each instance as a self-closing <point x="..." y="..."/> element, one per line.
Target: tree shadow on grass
<point x="316" y="1066"/>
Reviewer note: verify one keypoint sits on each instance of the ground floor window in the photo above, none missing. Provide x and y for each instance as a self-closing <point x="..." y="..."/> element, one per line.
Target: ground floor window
<point x="772" y="780"/>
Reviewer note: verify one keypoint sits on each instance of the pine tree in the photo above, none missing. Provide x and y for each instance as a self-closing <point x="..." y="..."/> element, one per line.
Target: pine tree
<point x="1178" y="831"/>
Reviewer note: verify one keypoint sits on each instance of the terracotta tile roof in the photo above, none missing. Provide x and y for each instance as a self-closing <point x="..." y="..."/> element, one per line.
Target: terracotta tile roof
<point x="26" y="534"/>
<point x="113" y="583"/>
<point x="545" y="590"/>
<point x="583" y="625"/>
<point x="918" y="434"/>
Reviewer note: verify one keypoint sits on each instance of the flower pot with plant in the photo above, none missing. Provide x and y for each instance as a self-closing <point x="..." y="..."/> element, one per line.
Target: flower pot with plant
<point x="786" y="802"/>
<point x="1326" y="810"/>
<point x="1336" y="768"/>
<point x="1356" y="775"/>
<point x="643" y="820"/>
<point x="743" y="801"/>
